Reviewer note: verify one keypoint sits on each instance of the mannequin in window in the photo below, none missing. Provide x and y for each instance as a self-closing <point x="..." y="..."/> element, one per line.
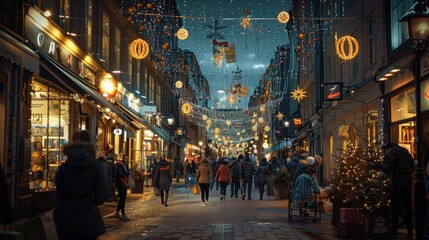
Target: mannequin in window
<point x="38" y="160"/>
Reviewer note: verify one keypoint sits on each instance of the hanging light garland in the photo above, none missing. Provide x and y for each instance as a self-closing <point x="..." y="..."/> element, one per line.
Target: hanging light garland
<point x="139" y="49"/>
<point x="352" y="45"/>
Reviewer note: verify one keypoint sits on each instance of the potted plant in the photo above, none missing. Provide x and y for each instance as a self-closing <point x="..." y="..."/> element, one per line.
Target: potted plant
<point x="137" y="178"/>
<point x="280" y="181"/>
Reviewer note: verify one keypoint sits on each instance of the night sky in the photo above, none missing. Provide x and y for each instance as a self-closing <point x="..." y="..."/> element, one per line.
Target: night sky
<point x="255" y="46"/>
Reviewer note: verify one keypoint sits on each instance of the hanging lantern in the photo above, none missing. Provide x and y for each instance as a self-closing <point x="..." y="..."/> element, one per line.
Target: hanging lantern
<point x="283" y="17"/>
<point x="108" y="87"/>
<point x="182" y="34"/>
<point x="179" y="84"/>
<point x="352" y="45"/>
<point x="139" y="49"/>
<point x="186" y="108"/>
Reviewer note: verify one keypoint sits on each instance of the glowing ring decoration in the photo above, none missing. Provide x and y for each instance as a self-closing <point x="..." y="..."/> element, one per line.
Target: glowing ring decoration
<point x="186" y="108"/>
<point x="182" y="34"/>
<point x="179" y="84"/>
<point x="139" y="49"/>
<point x="352" y="44"/>
<point x="283" y="17"/>
<point x="267" y="128"/>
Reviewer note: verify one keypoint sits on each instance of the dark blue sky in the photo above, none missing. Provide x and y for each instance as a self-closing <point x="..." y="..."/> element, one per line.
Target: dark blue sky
<point x="255" y="46"/>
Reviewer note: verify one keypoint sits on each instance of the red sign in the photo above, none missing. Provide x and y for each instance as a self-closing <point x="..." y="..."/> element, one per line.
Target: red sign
<point x="297" y="122"/>
<point x="333" y="91"/>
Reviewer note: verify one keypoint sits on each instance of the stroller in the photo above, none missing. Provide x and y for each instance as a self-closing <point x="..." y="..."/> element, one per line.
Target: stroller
<point x="303" y="208"/>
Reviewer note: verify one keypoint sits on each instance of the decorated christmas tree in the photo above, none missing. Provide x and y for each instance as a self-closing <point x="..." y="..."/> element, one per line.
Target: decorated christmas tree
<point x="356" y="185"/>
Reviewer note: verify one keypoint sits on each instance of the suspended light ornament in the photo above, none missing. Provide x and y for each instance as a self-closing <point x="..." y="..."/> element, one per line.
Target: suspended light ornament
<point x="267" y="128"/>
<point x="260" y="120"/>
<point x="204" y="117"/>
<point x="217" y="130"/>
<point x="208" y="123"/>
<point x="279" y="116"/>
<point x="218" y="58"/>
<point x="283" y="17"/>
<point x="298" y="94"/>
<point x="108" y="87"/>
<point x="256" y="138"/>
<point x="139" y="49"/>
<point x="182" y="34"/>
<point x="253" y="120"/>
<point x="179" y="84"/>
<point x="228" y="122"/>
<point x="245" y="22"/>
<point x="186" y="108"/>
<point x="262" y="108"/>
<point x="254" y="128"/>
<point x="352" y="46"/>
<point x="265" y="145"/>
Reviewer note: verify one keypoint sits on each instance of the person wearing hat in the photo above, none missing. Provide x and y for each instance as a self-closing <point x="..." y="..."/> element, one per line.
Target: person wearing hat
<point x="304" y="188"/>
<point x="399" y="167"/>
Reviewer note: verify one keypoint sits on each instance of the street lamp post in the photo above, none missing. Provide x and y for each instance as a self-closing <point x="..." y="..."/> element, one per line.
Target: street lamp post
<point x="286" y="124"/>
<point x="417" y="19"/>
<point x="170" y="121"/>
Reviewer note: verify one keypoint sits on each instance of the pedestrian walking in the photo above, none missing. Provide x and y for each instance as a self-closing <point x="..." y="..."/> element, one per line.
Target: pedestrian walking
<point x="177" y="169"/>
<point x="218" y="163"/>
<point x="223" y="175"/>
<point x="187" y="171"/>
<point x="163" y="178"/>
<point x="234" y="167"/>
<point x="399" y="168"/>
<point x="261" y="177"/>
<point x="81" y="187"/>
<point x="248" y="169"/>
<point x="153" y="168"/>
<point x="213" y="168"/>
<point x="108" y="168"/>
<point x="203" y="178"/>
<point x="122" y="178"/>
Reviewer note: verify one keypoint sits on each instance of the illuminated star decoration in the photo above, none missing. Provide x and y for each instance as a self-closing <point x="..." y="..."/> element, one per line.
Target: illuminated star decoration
<point x="298" y="94"/>
<point x="280" y="116"/>
<point x="245" y="22"/>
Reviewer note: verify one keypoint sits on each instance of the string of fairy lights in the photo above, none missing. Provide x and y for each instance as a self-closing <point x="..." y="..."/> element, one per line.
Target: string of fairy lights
<point x="236" y="124"/>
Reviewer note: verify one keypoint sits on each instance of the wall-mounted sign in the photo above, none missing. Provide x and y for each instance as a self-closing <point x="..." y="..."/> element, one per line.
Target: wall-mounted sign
<point x="297" y="122"/>
<point x="333" y="91"/>
<point x="372" y="117"/>
<point x="117" y="131"/>
<point x="425" y="95"/>
<point x="147" y="110"/>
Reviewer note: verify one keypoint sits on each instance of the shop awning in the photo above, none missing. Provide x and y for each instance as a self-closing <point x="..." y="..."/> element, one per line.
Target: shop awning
<point x="68" y="79"/>
<point x="17" y="52"/>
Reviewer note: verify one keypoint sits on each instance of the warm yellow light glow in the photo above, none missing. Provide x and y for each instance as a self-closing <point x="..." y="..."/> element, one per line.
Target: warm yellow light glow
<point x="298" y="94"/>
<point x="179" y="84"/>
<point x="139" y="49"/>
<point x="283" y="17"/>
<point x="352" y="45"/>
<point x="108" y="87"/>
<point x="267" y="128"/>
<point x="204" y="117"/>
<point x="182" y="34"/>
<point x="245" y="22"/>
<point x="186" y="108"/>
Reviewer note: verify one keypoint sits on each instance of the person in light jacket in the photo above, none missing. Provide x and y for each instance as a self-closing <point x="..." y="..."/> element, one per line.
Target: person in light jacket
<point x="203" y="179"/>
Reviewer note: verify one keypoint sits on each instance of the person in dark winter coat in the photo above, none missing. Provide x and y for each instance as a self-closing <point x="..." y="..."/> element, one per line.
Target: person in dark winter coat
<point x="213" y="168"/>
<point x="234" y="167"/>
<point x="108" y="168"/>
<point x="81" y="187"/>
<point x="248" y="169"/>
<point x="399" y="168"/>
<point x="163" y="178"/>
<point x="122" y="177"/>
<point x="261" y="177"/>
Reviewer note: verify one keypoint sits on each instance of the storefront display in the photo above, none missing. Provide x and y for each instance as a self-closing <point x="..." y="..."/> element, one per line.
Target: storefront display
<point x="49" y="133"/>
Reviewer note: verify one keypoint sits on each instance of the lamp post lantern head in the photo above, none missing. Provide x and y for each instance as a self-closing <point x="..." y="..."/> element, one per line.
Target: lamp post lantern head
<point x="200" y="143"/>
<point x="417" y="19"/>
<point x="170" y="120"/>
<point x="286" y="123"/>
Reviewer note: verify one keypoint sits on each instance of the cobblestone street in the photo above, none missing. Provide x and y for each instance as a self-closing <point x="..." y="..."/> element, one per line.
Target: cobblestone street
<point x="186" y="218"/>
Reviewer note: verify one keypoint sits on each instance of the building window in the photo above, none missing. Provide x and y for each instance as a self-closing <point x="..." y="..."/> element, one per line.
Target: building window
<point x="105" y="41"/>
<point x="399" y="29"/>
<point x="89" y="14"/>
<point x="402" y="114"/>
<point x="371" y="39"/>
<point x="117" y="49"/>
<point x="50" y="128"/>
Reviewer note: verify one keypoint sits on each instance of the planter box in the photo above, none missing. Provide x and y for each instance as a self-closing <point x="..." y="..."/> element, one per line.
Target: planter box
<point x="281" y="192"/>
<point x="138" y="187"/>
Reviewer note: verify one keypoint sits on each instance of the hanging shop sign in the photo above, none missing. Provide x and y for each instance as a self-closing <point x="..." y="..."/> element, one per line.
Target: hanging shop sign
<point x="425" y="95"/>
<point x="297" y="122"/>
<point x="333" y="91"/>
<point x="117" y="131"/>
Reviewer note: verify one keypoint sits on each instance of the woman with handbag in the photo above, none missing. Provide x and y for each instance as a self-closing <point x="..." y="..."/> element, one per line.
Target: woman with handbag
<point x="163" y="179"/>
<point x="261" y="177"/>
<point x="203" y="179"/>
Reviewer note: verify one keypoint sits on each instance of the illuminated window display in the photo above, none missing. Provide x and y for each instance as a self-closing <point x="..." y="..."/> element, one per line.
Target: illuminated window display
<point x="49" y="133"/>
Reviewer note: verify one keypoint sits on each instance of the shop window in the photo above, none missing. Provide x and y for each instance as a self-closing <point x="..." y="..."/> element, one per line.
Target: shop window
<point x="49" y="133"/>
<point x="403" y="106"/>
<point x="403" y="134"/>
